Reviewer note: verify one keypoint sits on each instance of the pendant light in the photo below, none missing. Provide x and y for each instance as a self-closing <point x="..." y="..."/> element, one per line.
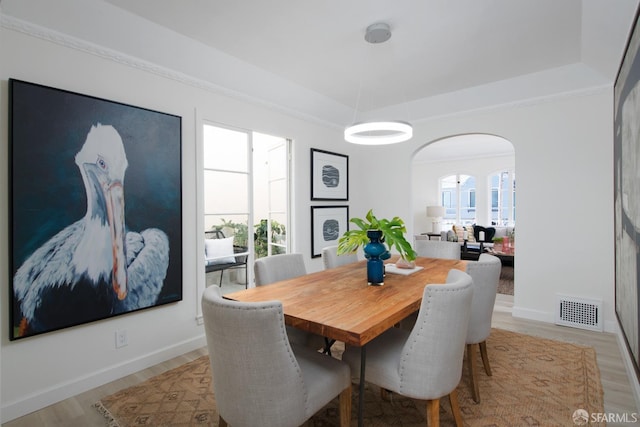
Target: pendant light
<point x="378" y="132"/>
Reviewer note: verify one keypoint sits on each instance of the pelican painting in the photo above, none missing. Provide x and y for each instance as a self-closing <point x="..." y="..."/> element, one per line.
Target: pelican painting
<point x="95" y="267"/>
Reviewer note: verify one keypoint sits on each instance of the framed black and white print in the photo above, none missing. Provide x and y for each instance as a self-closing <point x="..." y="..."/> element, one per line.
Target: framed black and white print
<point x="328" y="223"/>
<point x="95" y="209"/>
<point x="329" y="175"/>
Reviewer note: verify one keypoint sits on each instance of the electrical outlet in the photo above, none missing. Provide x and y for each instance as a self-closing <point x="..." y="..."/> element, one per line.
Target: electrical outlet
<point x="121" y="338"/>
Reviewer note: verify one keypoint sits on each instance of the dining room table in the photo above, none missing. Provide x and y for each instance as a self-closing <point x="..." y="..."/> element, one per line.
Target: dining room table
<point x="340" y="305"/>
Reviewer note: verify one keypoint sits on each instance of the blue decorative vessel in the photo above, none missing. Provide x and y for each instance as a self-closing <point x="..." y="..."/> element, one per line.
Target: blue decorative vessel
<point x="375" y="252"/>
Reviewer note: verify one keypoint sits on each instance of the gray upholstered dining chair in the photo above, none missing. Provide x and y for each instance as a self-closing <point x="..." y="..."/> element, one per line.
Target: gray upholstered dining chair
<point x="437" y="249"/>
<point x="258" y="377"/>
<point x="282" y="267"/>
<point x="331" y="258"/>
<point x="278" y="267"/>
<point x="431" y="249"/>
<point x="425" y="363"/>
<point x="486" y="275"/>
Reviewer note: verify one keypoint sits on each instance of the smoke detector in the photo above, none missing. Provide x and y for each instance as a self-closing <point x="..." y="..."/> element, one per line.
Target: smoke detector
<point x="378" y="33"/>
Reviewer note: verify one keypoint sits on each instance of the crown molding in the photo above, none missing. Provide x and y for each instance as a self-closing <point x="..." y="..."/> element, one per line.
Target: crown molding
<point x="71" y="42"/>
<point x="521" y="103"/>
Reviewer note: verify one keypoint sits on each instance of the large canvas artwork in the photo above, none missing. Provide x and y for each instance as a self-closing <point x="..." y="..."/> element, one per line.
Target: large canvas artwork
<point x="95" y="209"/>
<point x="627" y="195"/>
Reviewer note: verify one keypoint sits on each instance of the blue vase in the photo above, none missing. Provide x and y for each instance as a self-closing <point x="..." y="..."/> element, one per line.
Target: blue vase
<point x="375" y="252"/>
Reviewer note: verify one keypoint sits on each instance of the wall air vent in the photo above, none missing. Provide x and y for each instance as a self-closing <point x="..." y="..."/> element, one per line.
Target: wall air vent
<point x="580" y="313"/>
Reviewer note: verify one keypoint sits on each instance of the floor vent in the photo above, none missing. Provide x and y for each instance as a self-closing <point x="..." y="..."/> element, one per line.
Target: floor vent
<point x="579" y="312"/>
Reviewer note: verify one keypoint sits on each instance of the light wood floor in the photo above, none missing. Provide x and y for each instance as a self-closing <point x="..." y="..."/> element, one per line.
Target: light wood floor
<point x="618" y="396"/>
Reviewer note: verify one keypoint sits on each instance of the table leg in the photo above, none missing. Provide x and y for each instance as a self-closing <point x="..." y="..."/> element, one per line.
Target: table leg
<point x="361" y="388"/>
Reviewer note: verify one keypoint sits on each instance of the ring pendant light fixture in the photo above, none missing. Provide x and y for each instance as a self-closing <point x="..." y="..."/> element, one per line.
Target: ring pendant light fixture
<point x="378" y="132"/>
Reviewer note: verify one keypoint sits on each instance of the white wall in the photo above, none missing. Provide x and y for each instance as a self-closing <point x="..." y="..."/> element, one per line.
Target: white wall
<point x="564" y="141"/>
<point x="561" y="141"/>
<point x="41" y="370"/>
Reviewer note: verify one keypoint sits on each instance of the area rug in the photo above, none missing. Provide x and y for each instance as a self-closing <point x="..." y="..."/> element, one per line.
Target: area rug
<point x="535" y="382"/>
<point x="505" y="285"/>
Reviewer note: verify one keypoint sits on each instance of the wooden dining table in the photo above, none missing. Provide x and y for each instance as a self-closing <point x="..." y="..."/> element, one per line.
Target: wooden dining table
<point x="339" y="304"/>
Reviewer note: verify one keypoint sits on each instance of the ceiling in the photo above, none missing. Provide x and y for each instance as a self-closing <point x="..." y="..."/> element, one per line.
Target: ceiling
<point x="310" y="59"/>
<point x="437" y="48"/>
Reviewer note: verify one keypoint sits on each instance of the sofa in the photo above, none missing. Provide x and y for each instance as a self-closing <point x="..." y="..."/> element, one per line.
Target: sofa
<point x="475" y="239"/>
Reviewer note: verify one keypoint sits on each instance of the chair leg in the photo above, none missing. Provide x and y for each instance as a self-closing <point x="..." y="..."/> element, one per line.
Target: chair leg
<point x="327" y="346"/>
<point x="345" y="407"/>
<point x="473" y="372"/>
<point x="433" y="413"/>
<point x="221" y="274"/>
<point x="455" y="407"/>
<point x="485" y="357"/>
<point x="222" y="422"/>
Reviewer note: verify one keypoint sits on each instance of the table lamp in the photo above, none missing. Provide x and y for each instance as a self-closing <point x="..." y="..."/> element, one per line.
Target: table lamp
<point x="435" y="212"/>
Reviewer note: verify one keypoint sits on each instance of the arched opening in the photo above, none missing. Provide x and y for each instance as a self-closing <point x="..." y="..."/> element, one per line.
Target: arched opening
<point x="472" y="176"/>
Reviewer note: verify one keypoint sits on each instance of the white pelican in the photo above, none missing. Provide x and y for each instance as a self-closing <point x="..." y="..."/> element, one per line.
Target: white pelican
<point x="93" y="268"/>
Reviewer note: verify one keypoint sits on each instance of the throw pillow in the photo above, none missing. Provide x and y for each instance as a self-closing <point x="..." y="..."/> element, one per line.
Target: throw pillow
<point x="459" y="230"/>
<point x="217" y="251"/>
<point x="451" y="236"/>
<point x="472" y="237"/>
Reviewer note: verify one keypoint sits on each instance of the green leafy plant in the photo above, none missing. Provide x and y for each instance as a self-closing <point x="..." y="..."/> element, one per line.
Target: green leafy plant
<point x="240" y="231"/>
<point x="392" y="235"/>
<point x="261" y="241"/>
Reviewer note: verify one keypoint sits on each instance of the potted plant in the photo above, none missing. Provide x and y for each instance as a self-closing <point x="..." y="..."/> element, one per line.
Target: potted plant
<point x="372" y="235"/>
<point x="261" y="238"/>
<point x="497" y="244"/>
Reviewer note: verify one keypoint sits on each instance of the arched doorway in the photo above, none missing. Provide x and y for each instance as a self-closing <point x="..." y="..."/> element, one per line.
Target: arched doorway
<point x="473" y="177"/>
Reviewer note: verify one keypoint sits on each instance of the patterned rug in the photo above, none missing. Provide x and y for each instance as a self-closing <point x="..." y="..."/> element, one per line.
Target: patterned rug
<point x="535" y="382"/>
<point x="505" y="285"/>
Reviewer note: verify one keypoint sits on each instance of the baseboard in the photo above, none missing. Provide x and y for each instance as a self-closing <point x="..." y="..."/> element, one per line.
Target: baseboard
<point x="628" y="365"/>
<point x="44" y="398"/>
<point x="528" y="314"/>
<point x="541" y="316"/>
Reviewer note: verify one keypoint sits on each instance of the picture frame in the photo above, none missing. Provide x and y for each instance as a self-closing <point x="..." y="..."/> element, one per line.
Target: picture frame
<point x="95" y="209"/>
<point x="627" y="195"/>
<point x="329" y="175"/>
<point x="328" y="223"/>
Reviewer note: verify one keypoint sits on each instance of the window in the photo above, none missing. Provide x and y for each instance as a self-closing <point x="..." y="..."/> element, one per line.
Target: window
<point x="458" y="195"/>
<point x="503" y="198"/>
<point x="246" y="189"/>
<point x="227" y="181"/>
<point x="271" y="194"/>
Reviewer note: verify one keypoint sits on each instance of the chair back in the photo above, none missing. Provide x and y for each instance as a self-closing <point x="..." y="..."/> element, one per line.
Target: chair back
<point x="437" y="249"/>
<point x="486" y="275"/>
<point x="431" y="362"/>
<point x="331" y="258"/>
<point x="252" y="362"/>
<point x="278" y="267"/>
